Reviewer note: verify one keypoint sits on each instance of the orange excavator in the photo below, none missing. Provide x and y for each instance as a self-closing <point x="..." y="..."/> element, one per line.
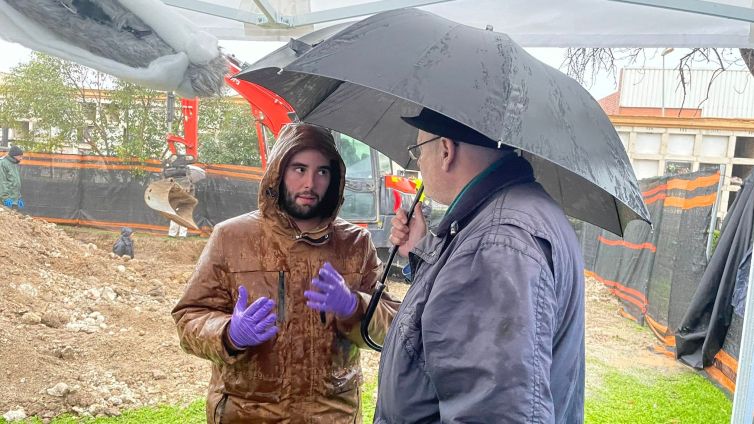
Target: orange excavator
<point x="172" y="196"/>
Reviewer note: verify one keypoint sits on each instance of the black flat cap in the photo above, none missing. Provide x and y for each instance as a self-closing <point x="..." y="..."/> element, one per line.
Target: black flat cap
<point x="438" y="124"/>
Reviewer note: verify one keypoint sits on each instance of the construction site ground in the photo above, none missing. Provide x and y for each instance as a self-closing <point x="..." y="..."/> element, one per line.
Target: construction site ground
<point x="84" y="332"/>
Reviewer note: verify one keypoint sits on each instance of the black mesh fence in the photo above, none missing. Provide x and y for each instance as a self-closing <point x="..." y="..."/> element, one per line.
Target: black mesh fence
<point x="656" y="270"/>
<point x="107" y="192"/>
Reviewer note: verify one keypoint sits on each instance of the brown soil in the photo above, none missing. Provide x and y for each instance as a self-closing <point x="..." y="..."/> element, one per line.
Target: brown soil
<point x="613" y="341"/>
<point x="82" y="331"/>
<point x="86" y="332"/>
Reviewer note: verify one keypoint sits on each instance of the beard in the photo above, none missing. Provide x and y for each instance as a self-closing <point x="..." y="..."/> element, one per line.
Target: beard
<point x="297" y="211"/>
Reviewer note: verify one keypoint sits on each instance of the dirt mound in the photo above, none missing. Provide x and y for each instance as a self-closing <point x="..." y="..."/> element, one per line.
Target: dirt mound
<point x="82" y="331"/>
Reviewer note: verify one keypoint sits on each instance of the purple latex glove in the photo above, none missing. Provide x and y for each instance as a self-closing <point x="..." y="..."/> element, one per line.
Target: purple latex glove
<point x="332" y="295"/>
<point x="254" y="325"/>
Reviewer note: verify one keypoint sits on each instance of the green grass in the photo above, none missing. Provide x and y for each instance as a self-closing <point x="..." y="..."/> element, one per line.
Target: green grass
<point x="193" y="414"/>
<point x="656" y="399"/>
<point x="617" y="398"/>
<point x="715" y="239"/>
<point x="368" y="400"/>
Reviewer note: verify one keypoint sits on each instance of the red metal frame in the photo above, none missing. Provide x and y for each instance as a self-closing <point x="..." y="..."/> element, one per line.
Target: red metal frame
<point x="268" y="108"/>
<point x="190" y="138"/>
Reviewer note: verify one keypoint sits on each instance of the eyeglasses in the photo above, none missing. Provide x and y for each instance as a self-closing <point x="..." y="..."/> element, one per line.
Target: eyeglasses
<point x="415" y="153"/>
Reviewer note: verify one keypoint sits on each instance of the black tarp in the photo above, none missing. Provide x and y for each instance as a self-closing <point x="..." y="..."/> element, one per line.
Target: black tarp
<point x="106" y="192"/>
<point x="707" y="321"/>
<point x="655" y="270"/>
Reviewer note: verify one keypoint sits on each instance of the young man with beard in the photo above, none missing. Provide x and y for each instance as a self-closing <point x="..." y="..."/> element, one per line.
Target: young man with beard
<point x="292" y="354"/>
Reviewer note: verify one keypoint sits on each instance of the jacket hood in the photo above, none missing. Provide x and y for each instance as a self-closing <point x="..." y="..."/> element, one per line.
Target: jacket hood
<point x="15" y="151"/>
<point x="292" y="139"/>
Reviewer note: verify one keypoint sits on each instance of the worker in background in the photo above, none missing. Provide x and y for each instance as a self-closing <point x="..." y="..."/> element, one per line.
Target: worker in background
<point x="124" y="246"/>
<point x="277" y="297"/>
<point x="10" y="179"/>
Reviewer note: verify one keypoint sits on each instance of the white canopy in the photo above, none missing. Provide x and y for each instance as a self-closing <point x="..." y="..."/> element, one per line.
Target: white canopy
<point x="532" y="23"/>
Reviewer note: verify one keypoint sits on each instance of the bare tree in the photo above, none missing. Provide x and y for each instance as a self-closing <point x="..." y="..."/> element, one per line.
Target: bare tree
<point x="583" y="64"/>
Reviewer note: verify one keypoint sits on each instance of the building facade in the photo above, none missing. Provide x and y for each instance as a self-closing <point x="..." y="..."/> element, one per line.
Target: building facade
<point x="667" y="128"/>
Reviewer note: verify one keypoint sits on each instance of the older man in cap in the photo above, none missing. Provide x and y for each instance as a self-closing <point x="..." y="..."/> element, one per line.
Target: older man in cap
<point x="492" y="329"/>
<point x="10" y="179"/>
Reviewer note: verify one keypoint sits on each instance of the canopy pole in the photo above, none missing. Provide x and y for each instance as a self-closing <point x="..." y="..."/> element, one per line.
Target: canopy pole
<point x="743" y="398"/>
<point x="700" y="7"/>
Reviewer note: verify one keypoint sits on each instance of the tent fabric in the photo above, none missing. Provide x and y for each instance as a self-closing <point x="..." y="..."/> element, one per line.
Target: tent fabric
<point x="742" y="285"/>
<point x="538" y="23"/>
<point x="169" y="72"/>
<point x="705" y="326"/>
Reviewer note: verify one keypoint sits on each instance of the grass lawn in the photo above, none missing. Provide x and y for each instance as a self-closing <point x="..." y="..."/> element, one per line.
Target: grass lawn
<point x="619" y="398"/>
<point x="682" y="398"/>
<point x="193" y="414"/>
<point x="368" y="400"/>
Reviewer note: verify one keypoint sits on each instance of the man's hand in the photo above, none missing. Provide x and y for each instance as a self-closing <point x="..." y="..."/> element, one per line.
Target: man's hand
<point x="332" y="295"/>
<point x="254" y="325"/>
<point x="406" y="235"/>
<point x="7" y="202"/>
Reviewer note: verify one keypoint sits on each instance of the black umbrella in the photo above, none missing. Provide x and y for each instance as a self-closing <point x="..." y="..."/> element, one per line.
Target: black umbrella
<point x="360" y="78"/>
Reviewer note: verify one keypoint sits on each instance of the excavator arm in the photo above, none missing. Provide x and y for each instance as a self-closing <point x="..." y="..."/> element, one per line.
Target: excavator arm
<point x="172" y="195"/>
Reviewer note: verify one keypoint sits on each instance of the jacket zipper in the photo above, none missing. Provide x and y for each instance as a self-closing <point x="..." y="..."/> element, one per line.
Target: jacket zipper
<point x="220" y="409"/>
<point x="281" y="296"/>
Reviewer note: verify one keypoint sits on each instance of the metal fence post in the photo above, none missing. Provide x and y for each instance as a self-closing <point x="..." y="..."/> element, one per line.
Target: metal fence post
<point x="743" y="399"/>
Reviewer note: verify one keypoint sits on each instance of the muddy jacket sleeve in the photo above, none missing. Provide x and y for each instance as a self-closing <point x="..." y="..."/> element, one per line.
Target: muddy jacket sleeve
<point x="203" y="313"/>
<point x="487" y="329"/>
<point x="386" y="309"/>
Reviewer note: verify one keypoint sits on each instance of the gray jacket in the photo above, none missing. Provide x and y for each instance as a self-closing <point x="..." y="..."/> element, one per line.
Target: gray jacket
<point x="10" y="179"/>
<point x="492" y="329"/>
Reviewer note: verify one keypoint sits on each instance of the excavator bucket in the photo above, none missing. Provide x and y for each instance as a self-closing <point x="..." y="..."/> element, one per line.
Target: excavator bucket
<point x="173" y="202"/>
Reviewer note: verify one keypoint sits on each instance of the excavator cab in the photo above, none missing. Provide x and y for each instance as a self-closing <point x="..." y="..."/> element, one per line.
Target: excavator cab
<point x="172" y="196"/>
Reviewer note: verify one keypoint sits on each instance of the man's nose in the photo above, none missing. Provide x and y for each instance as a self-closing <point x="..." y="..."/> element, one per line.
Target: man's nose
<point x="309" y="179"/>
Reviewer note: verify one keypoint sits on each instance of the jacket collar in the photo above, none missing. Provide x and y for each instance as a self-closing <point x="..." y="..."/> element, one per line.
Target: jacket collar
<point x="508" y="171"/>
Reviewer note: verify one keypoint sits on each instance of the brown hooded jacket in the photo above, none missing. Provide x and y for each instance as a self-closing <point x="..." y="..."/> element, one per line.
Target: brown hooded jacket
<point x="310" y="371"/>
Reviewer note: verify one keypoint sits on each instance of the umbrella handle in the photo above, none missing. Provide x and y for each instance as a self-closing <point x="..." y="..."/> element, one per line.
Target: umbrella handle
<point x="381" y="284"/>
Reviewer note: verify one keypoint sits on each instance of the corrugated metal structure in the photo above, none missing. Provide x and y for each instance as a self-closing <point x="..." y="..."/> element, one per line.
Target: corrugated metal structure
<point x="712" y="126"/>
<point x="730" y="95"/>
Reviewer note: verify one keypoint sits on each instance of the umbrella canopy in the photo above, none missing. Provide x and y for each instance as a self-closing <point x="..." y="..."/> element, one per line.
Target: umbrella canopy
<point x="359" y="79"/>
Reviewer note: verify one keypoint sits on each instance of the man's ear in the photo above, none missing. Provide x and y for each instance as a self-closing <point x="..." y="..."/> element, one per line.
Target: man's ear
<point x="449" y="151"/>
